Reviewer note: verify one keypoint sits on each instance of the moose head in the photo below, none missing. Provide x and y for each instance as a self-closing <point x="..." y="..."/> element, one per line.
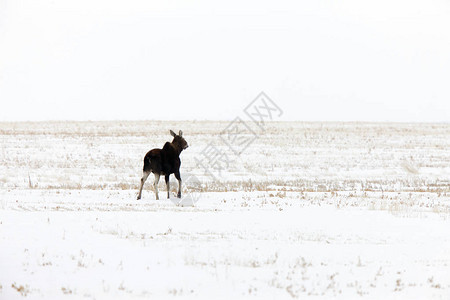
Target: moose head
<point x="178" y="141"/>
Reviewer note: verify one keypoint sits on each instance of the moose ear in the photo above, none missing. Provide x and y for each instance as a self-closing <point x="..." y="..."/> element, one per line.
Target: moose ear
<point x="173" y="133"/>
<point x="180" y="133"/>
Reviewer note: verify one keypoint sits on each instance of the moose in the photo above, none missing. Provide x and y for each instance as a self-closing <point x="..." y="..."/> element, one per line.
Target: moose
<point x="164" y="161"/>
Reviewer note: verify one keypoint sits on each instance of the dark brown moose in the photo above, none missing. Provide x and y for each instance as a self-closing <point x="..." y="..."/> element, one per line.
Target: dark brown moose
<point x="164" y="161"/>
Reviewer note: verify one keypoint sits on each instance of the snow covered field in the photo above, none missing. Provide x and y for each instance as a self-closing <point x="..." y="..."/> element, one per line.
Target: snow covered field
<point x="326" y="210"/>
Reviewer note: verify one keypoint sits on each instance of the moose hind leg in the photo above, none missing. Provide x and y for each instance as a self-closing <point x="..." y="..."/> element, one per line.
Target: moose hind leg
<point x="167" y="186"/>
<point x="178" y="177"/>
<point x="143" y="179"/>
<point x="155" y="185"/>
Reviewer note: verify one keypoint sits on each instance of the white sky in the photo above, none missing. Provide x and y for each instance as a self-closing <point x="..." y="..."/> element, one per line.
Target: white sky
<point x="318" y="60"/>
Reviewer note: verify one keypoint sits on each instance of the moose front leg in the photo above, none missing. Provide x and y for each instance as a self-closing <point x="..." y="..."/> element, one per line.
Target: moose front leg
<point x="168" y="186"/>
<point x="178" y="177"/>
